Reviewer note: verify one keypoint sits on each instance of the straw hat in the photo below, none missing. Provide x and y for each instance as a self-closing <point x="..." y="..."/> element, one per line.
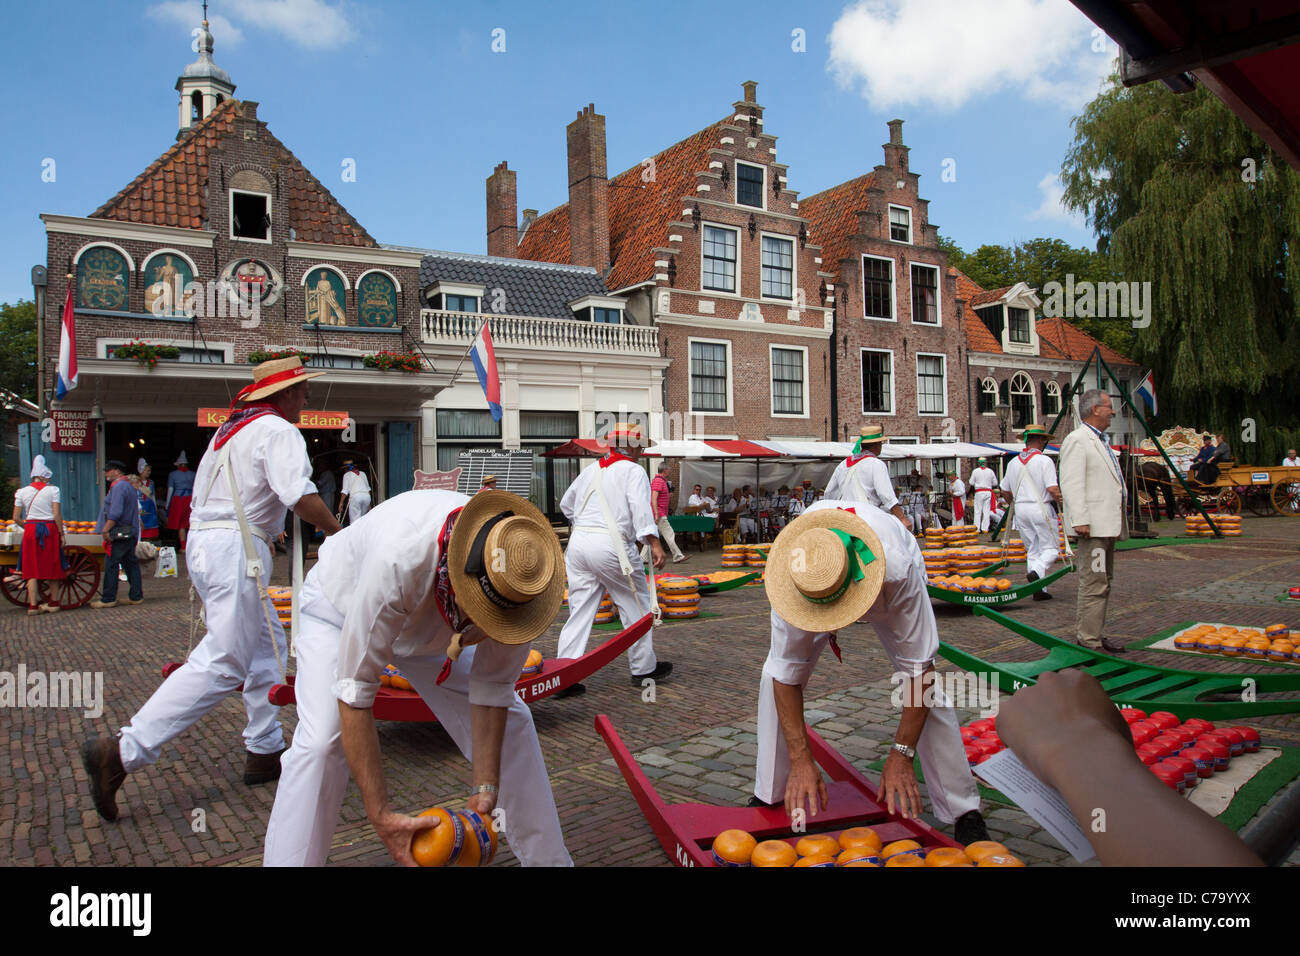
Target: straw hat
<point x="809" y="580"/>
<point x="871" y="434"/>
<point x="275" y="376"/>
<point x="506" y="567"/>
<point x="1036" y="431"/>
<point x="626" y="436"/>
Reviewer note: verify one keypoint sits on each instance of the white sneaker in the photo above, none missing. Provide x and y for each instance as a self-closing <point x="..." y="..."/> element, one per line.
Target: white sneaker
<point x="680" y="557"/>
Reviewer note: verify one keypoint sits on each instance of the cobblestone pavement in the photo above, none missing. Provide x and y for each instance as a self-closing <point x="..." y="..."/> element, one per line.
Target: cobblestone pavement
<point x="696" y="739"/>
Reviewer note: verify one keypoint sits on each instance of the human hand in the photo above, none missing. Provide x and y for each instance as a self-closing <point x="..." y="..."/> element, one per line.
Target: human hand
<point x="483" y="804"/>
<point x="1044" y="722"/>
<point x="805" y="785"/>
<point x="898" y="786"/>
<point x="657" y="553"/>
<point x="1081" y="530"/>
<point x="397" y="830"/>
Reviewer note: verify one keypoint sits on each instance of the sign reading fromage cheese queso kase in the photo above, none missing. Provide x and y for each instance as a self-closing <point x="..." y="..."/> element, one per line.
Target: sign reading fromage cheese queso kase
<point x="337" y="421"/>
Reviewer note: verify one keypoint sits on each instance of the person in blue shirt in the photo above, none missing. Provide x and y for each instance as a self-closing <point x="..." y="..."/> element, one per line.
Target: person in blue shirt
<point x="1202" y="460"/>
<point x="121" y="509"/>
<point x="180" y="489"/>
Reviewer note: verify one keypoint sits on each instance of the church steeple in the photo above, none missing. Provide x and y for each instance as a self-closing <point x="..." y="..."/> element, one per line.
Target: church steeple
<point x="203" y="86"/>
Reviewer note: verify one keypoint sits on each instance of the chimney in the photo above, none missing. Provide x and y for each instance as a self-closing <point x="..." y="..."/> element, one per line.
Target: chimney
<point x="588" y="191"/>
<point x="529" y="217"/>
<point x="502" y="235"/>
<point x="895" y="151"/>
<point x="751" y="91"/>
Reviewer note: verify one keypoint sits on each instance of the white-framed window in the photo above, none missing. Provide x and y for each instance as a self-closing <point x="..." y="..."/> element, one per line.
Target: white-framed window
<point x="988" y="397"/>
<point x="878" y="288"/>
<point x="931" y="384"/>
<point x="925" y="294"/>
<point x="777" y="267"/>
<point x="710" y="376"/>
<point x="1018" y="325"/>
<point x="1051" y="397"/>
<point x="750" y="180"/>
<point x="877" y="381"/>
<point x="900" y="224"/>
<point x="789" y="364"/>
<point x="719" y="266"/>
<point x="900" y="469"/>
<point x="250" y="215"/>
<point x="1022" y="400"/>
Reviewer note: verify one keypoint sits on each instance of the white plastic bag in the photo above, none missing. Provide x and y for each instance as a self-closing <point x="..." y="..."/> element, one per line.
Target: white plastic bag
<point x="166" y="563"/>
<point x="145" y="550"/>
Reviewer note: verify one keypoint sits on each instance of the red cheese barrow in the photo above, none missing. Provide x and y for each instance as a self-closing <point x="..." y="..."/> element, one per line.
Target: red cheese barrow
<point x="686" y="830"/>
<point x="392" y="703"/>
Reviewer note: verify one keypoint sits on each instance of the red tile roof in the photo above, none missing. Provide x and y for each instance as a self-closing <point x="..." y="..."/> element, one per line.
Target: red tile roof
<point x="639" y="212"/>
<point x="832" y="218"/>
<point x="1057" y="339"/>
<point x="171" y="191"/>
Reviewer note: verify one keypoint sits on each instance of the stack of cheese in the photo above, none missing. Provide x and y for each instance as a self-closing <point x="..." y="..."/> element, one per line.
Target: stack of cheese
<point x="857" y="846"/>
<point x="966" y="560"/>
<point x="1230" y="525"/>
<point x="757" y="556"/>
<point x="934" y="538"/>
<point x="1274" y="643"/>
<point x="970" y="585"/>
<point x="679" y="597"/>
<point x="607" y="611"/>
<point x="1181" y="754"/>
<point x="1195" y="526"/>
<point x="1016" y="550"/>
<point x="78" y="527"/>
<point x="937" y="561"/>
<point x="734" y="555"/>
<point x="959" y="535"/>
<point x="282" y="598"/>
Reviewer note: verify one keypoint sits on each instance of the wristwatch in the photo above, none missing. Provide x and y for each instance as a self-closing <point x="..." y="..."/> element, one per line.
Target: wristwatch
<point x="905" y="750"/>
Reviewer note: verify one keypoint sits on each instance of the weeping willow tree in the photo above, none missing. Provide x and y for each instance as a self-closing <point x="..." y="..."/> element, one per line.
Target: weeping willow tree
<point x="1182" y="194"/>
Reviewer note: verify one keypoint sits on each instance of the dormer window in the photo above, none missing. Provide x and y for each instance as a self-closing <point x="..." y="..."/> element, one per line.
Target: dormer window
<point x="600" y="309"/>
<point x="607" y="316"/>
<point x="461" y="303"/>
<point x="749" y="185"/>
<point x="1018" y="325"/>
<point x="455" y="297"/>
<point x="250" y="216"/>
<point x="900" y="224"/>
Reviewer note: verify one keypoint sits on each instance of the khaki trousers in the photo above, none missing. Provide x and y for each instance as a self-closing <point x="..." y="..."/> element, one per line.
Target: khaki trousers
<point x="1095" y="558"/>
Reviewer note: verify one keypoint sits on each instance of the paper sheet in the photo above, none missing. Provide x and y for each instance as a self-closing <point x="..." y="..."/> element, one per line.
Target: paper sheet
<point x="1004" y="771"/>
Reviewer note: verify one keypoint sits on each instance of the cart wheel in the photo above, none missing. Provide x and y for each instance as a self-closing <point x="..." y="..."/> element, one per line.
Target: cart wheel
<point x="1260" y="502"/>
<point x="15" y="591"/>
<point x="1186" y="506"/>
<point x="1286" y="498"/>
<point x="1229" y="502"/>
<point x="82" y="581"/>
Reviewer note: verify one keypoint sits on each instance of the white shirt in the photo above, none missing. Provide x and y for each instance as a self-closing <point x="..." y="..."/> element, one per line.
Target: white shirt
<point x="734" y="504"/>
<point x="356" y="483"/>
<point x="868" y="481"/>
<point x="1031" y="491"/>
<point x="272" y="472"/>
<point x="627" y="491"/>
<point x="983" y="479"/>
<point x="379" y="575"/>
<point x="958" y="488"/>
<point x="695" y="501"/>
<point x="797" y="507"/>
<point x="1291" y="462"/>
<point x="46" y="498"/>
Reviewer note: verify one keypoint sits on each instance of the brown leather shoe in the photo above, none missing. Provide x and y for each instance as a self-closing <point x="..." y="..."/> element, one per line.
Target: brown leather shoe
<point x="262" y="768"/>
<point x="1113" y="647"/>
<point x="103" y="762"/>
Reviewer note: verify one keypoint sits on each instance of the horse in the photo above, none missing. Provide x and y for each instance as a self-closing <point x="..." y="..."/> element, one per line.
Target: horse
<point x="1153" y="477"/>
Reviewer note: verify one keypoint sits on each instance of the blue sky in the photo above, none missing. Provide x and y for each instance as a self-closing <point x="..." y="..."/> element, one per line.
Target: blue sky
<point x="416" y="95"/>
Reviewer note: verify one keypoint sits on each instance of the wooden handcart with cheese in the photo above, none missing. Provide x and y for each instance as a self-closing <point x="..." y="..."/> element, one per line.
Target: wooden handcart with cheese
<point x="686" y="830"/>
<point x="990" y="591"/>
<point x="1214" y="696"/>
<point x="83" y="551"/>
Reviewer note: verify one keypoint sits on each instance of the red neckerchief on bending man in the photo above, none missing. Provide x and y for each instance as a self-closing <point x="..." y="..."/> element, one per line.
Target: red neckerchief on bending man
<point x="241" y="417"/>
<point x="443" y="593"/>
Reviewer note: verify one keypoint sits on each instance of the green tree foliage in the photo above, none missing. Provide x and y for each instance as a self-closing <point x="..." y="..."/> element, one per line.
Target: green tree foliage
<point x="17" y="363"/>
<point x="1182" y="194"/>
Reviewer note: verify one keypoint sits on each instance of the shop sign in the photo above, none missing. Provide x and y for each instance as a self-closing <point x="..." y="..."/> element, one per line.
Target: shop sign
<point x="436" y="480"/>
<point x="333" y="421"/>
<point x="72" y="432"/>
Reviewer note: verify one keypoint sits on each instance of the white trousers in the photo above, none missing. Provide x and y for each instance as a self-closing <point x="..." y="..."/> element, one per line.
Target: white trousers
<point x="896" y="616"/>
<point x="358" y="505"/>
<point x="236" y="649"/>
<point x="315" y="770"/>
<point x="983" y="509"/>
<point x="592" y="569"/>
<point x="1041" y="537"/>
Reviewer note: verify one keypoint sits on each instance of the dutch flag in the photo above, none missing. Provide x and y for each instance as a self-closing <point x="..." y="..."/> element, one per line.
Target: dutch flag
<point x="1147" y="389"/>
<point x="485" y="365"/>
<point x="67" y="376"/>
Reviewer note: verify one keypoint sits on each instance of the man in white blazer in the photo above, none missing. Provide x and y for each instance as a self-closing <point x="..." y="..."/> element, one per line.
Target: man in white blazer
<point x="1092" y="486"/>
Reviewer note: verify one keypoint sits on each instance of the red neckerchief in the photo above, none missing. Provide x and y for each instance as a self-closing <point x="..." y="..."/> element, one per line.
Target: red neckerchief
<point x="39" y="483"/>
<point x="612" y="457"/>
<point x="1024" y="459"/>
<point x="854" y="459"/>
<point x="187" y="468"/>
<point x="241" y="417"/>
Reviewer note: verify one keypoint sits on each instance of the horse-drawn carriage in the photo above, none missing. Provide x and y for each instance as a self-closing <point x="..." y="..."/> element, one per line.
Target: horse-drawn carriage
<point x="1264" y="490"/>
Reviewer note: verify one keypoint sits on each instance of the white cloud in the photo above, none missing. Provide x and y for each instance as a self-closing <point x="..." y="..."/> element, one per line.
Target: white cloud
<point x="188" y="15"/>
<point x="944" y="53"/>
<point x="1050" y="209"/>
<point x="312" y="24"/>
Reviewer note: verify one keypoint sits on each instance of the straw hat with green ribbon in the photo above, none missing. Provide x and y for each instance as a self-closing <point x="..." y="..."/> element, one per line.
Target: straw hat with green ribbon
<point x="1036" y="431"/>
<point x="825" y="570"/>
<point x="870" y="435"/>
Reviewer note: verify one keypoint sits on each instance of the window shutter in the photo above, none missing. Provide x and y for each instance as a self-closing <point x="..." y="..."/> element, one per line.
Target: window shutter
<point x="1042" y="391"/>
<point x="1004" y="392"/>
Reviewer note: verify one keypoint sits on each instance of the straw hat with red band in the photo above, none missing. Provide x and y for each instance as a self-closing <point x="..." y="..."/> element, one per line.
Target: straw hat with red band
<point x="626" y="436"/>
<point x="274" y="376"/>
<point x="825" y="570"/>
<point x="506" y="567"/>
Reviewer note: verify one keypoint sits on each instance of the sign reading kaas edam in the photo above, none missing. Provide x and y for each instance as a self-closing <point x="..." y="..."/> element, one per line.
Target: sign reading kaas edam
<point x="336" y="421"/>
